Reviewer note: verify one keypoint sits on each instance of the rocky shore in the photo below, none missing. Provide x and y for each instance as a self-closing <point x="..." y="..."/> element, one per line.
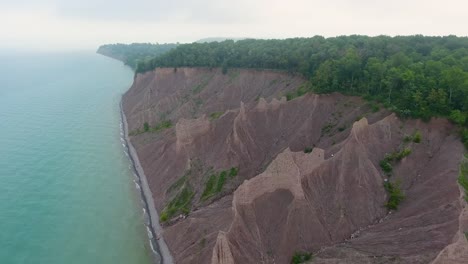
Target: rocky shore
<point x="159" y="247"/>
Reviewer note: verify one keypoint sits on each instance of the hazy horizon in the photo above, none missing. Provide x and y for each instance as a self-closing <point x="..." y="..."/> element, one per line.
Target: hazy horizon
<point x="70" y="25"/>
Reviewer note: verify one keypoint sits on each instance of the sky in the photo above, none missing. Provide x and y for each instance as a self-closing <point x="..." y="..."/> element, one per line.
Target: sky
<point x="86" y="24"/>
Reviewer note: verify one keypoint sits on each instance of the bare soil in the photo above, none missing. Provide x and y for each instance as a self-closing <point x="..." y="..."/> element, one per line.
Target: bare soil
<point x="329" y="202"/>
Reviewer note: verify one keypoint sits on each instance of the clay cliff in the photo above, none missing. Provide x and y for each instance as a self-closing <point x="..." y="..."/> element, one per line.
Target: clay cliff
<point x="241" y="175"/>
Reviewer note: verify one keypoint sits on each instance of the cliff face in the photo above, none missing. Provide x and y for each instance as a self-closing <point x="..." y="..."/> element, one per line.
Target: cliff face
<point x="269" y="198"/>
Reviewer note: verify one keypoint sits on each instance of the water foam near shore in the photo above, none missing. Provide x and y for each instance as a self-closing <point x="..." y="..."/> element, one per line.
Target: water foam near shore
<point x="158" y="245"/>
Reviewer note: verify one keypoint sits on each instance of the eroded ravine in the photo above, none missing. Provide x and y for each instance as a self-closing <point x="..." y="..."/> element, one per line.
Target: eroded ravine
<point x="282" y="199"/>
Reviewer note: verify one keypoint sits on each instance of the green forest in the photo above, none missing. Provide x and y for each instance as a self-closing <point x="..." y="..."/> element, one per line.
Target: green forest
<point x="132" y="54"/>
<point x="414" y="76"/>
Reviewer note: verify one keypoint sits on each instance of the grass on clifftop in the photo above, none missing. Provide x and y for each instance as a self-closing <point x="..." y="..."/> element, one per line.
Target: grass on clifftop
<point x="300" y="91"/>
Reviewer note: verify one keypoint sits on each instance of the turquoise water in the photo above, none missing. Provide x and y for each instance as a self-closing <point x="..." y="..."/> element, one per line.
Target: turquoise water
<point x="66" y="190"/>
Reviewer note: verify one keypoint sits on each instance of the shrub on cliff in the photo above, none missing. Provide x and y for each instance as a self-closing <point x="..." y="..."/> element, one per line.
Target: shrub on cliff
<point x="221" y="181"/>
<point x="464" y="136"/>
<point x="301" y="257"/>
<point x="463" y="177"/>
<point x="215" y="115"/>
<point x="180" y="204"/>
<point x="233" y="172"/>
<point x="216" y="181"/>
<point x="417" y="137"/>
<point x="386" y="166"/>
<point x="308" y="150"/>
<point x="396" y="196"/>
<point x="209" y="187"/>
<point x="165" y="124"/>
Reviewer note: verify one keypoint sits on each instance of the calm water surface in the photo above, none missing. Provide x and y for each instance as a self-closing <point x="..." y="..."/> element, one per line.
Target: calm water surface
<point x="66" y="190"/>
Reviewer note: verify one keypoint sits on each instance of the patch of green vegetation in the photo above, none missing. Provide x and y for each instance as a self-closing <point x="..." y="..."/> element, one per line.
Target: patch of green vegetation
<point x="216" y="181"/>
<point x="397" y="155"/>
<point x="300" y="91"/>
<point x="308" y="150"/>
<point x="179" y="183"/>
<point x="290" y="96"/>
<point x="407" y="139"/>
<point x="202" y="242"/>
<point x="341" y="129"/>
<point x="201" y="85"/>
<point x="163" y="217"/>
<point x="374" y="107"/>
<point x="221" y="181"/>
<point x="464" y="137"/>
<point x="301" y="257"/>
<point x="395" y="193"/>
<point x="198" y="102"/>
<point x="458" y="117"/>
<point x="404" y="153"/>
<point x="209" y="187"/>
<point x="215" y="115"/>
<point x="463" y="177"/>
<point x="233" y="172"/>
<point x="327" y="128"/>
<point x="198" y="88"/>
<point x="466" y="235"/>
<point x="136" y="53"/>
<point x="417" y="137"/>
<point x="181" y="203"/>
<point x="165" y="124"/>
<point x="386" y="166"/>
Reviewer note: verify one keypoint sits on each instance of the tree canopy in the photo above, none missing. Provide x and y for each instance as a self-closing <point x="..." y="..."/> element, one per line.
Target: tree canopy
<point x="415" y="76"/>
<point x="134" y="53"/>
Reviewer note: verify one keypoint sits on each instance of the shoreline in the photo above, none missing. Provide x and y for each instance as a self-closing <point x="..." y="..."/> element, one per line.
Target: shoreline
<point x="158" y="246"/>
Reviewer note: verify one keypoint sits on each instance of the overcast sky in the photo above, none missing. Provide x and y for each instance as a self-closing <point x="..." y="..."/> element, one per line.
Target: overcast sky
<point x="85" y="24"/>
